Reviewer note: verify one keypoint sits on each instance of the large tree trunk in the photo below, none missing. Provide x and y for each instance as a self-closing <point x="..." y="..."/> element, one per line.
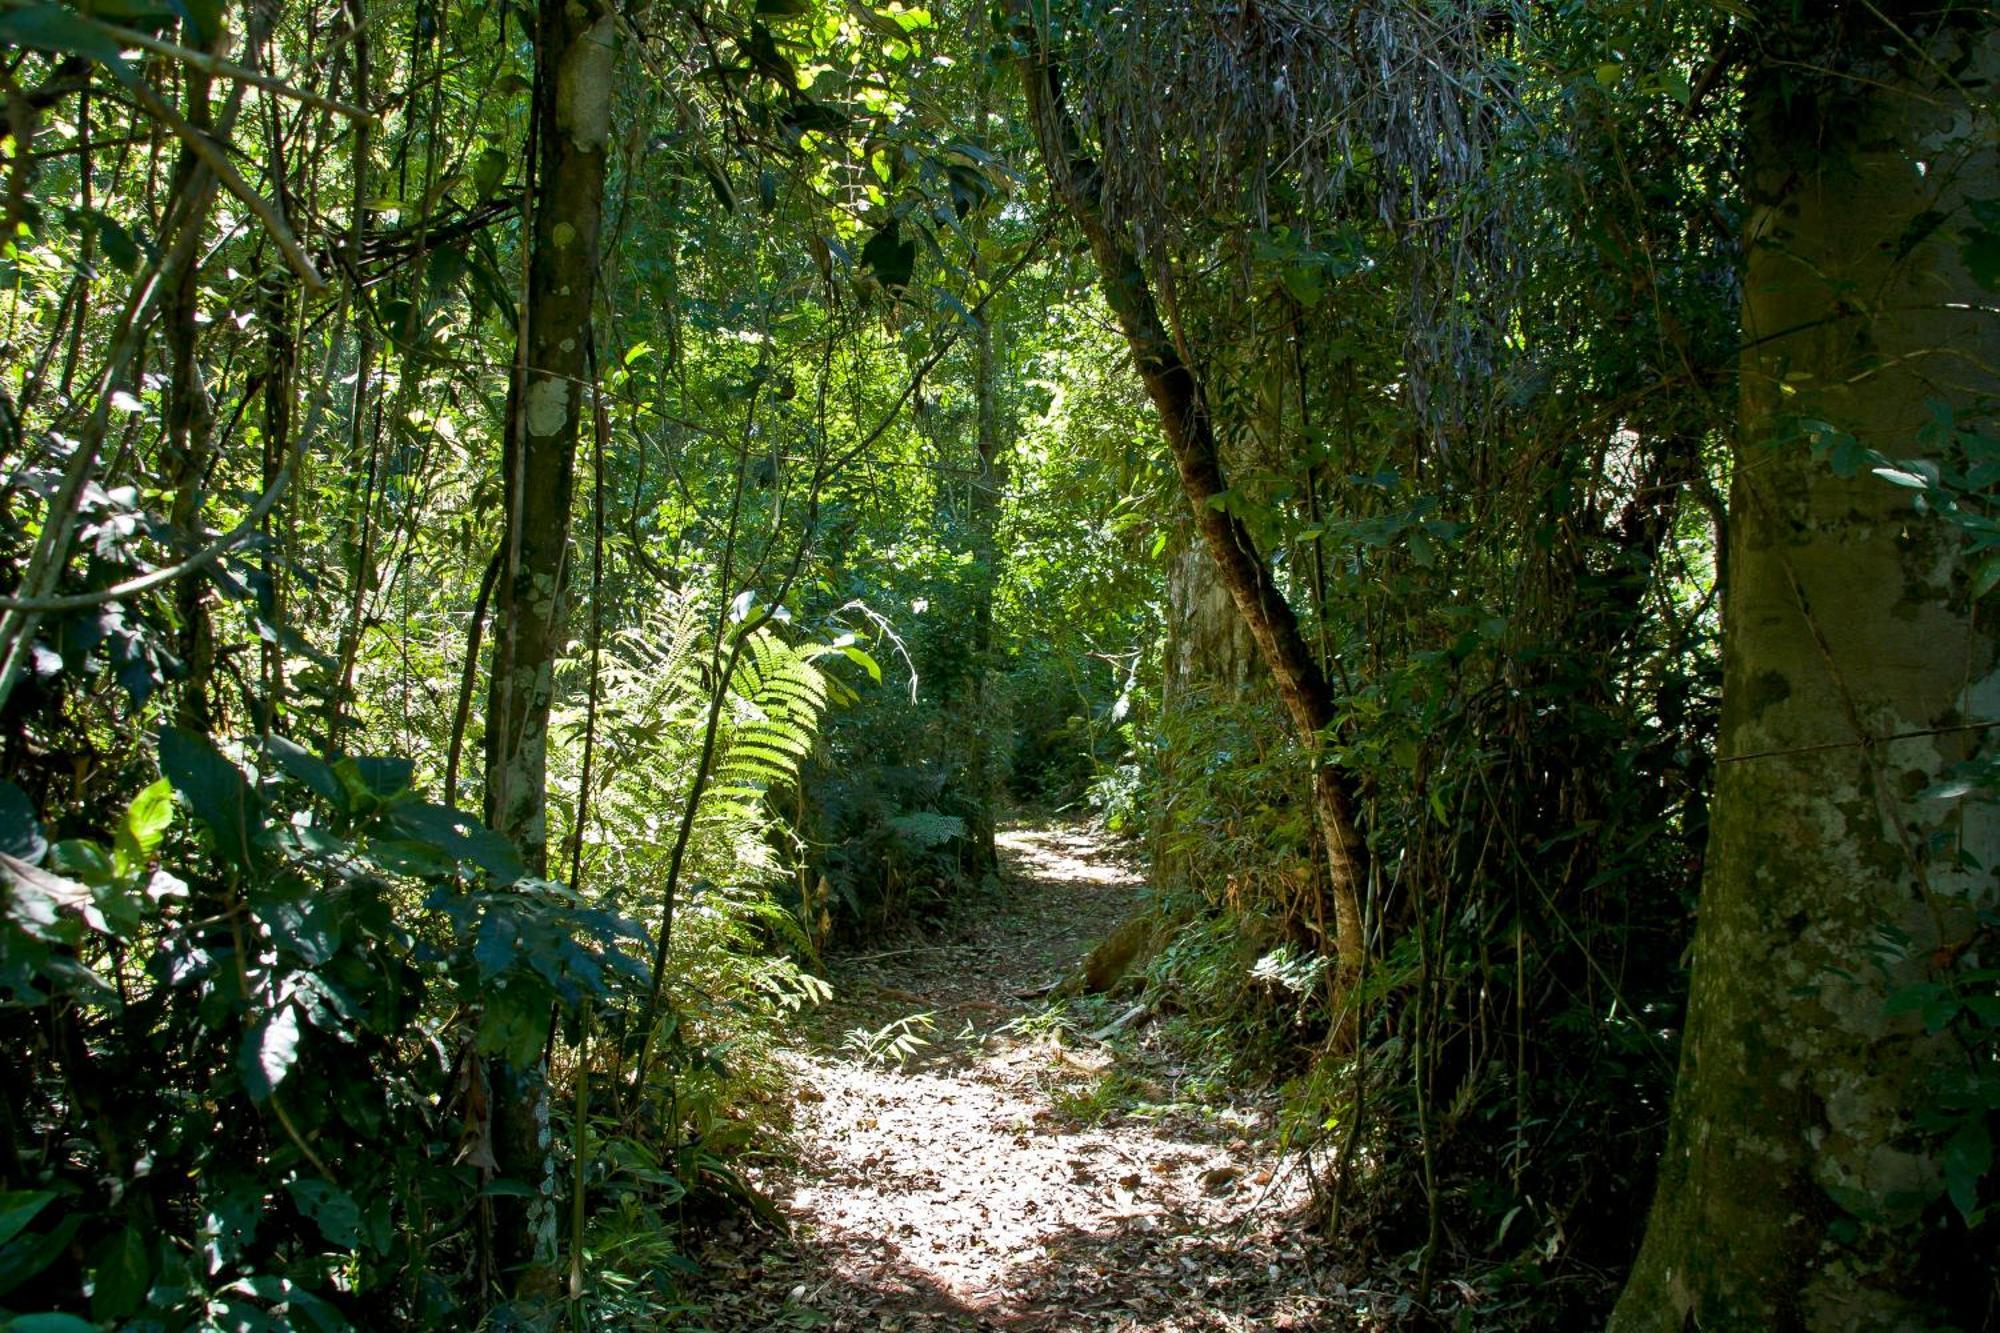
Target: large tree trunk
<point x="1798" y="1190"/>
<point x="1208" y="643"/>
<point x="575" y="45"/>
<point x="1182" y="403"/>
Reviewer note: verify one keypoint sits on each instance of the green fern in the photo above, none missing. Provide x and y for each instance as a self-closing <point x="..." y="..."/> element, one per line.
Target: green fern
<point x="927" y="828"/>
<point x="776" y="699"/>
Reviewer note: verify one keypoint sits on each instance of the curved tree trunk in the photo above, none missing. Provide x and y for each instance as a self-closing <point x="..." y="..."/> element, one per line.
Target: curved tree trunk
<point x="1798" y="1190"/>
<point x="1182" y="403"/>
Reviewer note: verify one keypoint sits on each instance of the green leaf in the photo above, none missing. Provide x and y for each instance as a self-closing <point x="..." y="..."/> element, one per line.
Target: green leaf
<point x="891" y="258"/>
<point x="269" y="1050"/>
<point x="768" y="60"/>
<point x="332" y="1208"/>
<point x="927" y="828"/>
<point x="54" y="28"/>
<point x="141" y="831"/>
<point x="1981" y="253"/>
<point x="461" y="837"/>
<point x="39" y="897"/>
<point x="1306" y="283"/>
<point x="82" y="859"/>
<point x="215" y="791"/>
<point x="119" y="245"/>
<point x="718" y="181"/>
<point x="489" y="169"/>
<point x="494" y="950"/>
<point x="20" y="832"/>
<point x="862" y="658"/>
<point x="309" y="768"/>
<point x="51" y="1322"/>
<point x="1986" y="575"/>
<point x="121" y="1274"/>
<point x="20" y="1207"/>
<point x="204" y="17"/>
<point x="1916" y="475"/>
<point x="1968" y="1156"/>
<point x="31" y="1254"/>
<point x="382" y="777"/>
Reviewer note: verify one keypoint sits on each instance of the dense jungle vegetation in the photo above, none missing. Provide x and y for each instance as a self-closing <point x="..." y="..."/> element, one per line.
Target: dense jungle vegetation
<point x="527" y="527"/>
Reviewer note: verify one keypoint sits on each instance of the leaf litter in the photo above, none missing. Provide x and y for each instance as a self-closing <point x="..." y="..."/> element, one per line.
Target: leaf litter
<point x="998" y="1168"/>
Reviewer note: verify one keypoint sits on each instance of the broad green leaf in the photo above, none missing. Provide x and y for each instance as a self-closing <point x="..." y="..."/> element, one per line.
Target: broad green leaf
<point x="309" y="768"/>
<point x="204" y="17"/>
<point x="1968" y="1156"/>
<point x="495" y="949"/>
<point x="1981" y="253"/>
<point x="20" y="1207"/>
<point x="215" y="791"/>
<point x="332" y="1208"/>
<point x="121" y="1273"/>
<point x="1917" y="475"/>
<point x="1985" y="575"/>
<point x="489" y="169"/>
<point x="1305" y="283"/>
<point x="52" y="1322"/>
<point x="29" y="1255"/>
<point x="140" y="832"/>
<point x="461" y="837"/>
<point x="118" y="244"/>
<point x="891" y="258"/>
<point x="20" y="832"/>
<point x="269" y="1050"/>
<point x="382" y="777"/>
<point x="54" y="28"/>
<point x="37" y="897"/>
<point x="863" y="659"/>
<point x="149" y="12"/>
<point x="83" y="860"/>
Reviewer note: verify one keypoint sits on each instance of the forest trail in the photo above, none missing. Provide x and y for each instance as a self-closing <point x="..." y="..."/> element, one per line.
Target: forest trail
<point x="1015" y="1172"/>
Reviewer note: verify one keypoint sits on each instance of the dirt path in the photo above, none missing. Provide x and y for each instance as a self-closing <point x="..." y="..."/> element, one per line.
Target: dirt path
<point x="1015" y="1172"/>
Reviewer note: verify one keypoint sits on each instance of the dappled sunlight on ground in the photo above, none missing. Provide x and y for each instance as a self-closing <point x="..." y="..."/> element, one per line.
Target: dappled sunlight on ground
<point x="1015" y="1173"/>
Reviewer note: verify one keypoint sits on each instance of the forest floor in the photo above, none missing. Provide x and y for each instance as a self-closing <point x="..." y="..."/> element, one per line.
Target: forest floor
<point x="1016" y="1172"/>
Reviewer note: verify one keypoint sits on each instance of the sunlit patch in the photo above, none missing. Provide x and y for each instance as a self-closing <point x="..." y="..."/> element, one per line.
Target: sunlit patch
<point x="1012" y="1172"/>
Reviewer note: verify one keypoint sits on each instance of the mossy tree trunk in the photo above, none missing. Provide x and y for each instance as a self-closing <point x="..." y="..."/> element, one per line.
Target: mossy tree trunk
<point x="1799" y="1190"/>
<point x="575" y="49"/>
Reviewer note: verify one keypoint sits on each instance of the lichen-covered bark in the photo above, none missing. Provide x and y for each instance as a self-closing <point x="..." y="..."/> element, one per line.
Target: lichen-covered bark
<point x="575" y="48"/>
<point x="576" y="45"/>
<point x="1207" y="641"/>
<point x="1797" y="1191"/>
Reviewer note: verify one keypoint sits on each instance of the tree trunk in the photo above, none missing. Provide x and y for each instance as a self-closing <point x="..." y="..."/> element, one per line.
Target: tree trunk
<point x="1208" y="643"/>
<point x="573" y="125"/>
<point x="1798" y="1190"/>
<point x="575" y="48"/>
<point x="190" y="423"/>
<point x="1182" y="403"/>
